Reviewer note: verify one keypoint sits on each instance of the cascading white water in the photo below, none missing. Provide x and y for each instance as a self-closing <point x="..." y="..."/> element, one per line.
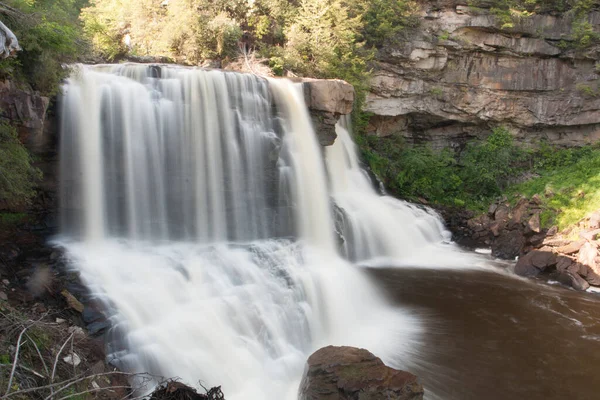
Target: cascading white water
<point x="196" y="206"/>
<point x="381" y="227"/>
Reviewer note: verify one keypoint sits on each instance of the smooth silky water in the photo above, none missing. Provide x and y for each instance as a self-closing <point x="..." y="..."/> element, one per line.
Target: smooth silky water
<point x="226" y="245"/>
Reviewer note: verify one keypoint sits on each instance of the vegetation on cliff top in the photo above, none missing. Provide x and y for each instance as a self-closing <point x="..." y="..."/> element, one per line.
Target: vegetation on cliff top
<point x="510" y="12"/>
<point x="50" y="35"/>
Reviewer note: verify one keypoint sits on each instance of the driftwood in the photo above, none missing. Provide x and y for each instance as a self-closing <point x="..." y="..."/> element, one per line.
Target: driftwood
<point x="173" y="390"/>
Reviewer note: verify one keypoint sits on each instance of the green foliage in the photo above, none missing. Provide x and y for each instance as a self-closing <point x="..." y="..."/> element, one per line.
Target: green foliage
<point x="586" y="90"/>
<point x="17" y="174"/>
<point x="412" y="172"/>
<point x="49" y="35"/>
<point x="583" y="34"/>
<point x="480" y="172"/>
<point x="436" y="91"/>
<point x="509" y="12"/>
<point x="445" y="35"/>
<point x="569" y="184"/>
<point x="567" y="180"/>
<point x="488" y="167"/>
<point x="383" y="20"/>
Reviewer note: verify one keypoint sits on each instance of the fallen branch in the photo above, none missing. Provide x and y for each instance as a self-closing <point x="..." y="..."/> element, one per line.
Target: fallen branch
<point x="57" y="356"/>
<point x="16" y="360"/>
<point x="70" y="382"/>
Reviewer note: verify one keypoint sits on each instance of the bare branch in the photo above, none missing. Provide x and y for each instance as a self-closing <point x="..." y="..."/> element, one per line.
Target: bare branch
<point x="69" y="382"/>
<point x="39" y="354"/>
<point x="92" y="391"/>
<point x="57" y="356"/>
<point x="16" y="360"/>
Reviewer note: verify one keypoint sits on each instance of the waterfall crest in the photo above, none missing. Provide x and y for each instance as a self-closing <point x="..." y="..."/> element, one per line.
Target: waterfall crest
<point x="198" y="208"/>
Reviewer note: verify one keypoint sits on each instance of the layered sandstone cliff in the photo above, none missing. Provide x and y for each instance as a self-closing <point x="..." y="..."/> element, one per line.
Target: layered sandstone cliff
<point x="459" y="74"/>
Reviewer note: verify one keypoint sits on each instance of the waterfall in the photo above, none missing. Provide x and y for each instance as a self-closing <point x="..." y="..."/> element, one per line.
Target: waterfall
<point x="199" y="209"/>
<point x="378" y="226"/>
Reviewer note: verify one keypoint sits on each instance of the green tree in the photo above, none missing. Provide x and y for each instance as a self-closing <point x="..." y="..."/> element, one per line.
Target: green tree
<point x="50" y="36"/>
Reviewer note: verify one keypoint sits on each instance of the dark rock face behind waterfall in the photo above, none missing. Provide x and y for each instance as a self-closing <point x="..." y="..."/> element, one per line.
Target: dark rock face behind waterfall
<point x="459" y="73"/>
<point x="348" y="373"/>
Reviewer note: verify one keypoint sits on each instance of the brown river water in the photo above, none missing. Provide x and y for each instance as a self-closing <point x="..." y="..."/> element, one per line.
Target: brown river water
<point x="493" y="336"/>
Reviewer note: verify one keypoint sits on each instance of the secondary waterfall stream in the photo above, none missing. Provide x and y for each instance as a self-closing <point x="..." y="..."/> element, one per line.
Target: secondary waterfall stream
<point x="200" y="210"/>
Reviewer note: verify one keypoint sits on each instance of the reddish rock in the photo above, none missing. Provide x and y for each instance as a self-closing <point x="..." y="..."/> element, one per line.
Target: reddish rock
<point x="348" y="373"/>
<point x="573" y="280"/>
<point x="495" y="229"/>
<point x="518" y="212"/>
<point x="590" y="235"/>
<point x="534" y="223"/>
<point x="594" y="221"/>
<point x="538" y="239"/>
<point x="587" y="256"/>
<point x="563" y="263"/>
<point x="552" y="231"/>
<point x="534" y="262"/>
<point x="501" y="214"/>
<point x="556" y="242"/>
<point x="570" y="248"/>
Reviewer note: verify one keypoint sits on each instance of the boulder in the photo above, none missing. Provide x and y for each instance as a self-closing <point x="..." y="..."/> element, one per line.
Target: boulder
<point x="534" y="223"/>
<point x="534" y="262"/>
<point x="327" y="100"/>
<point x="349" y="373"/>
<point x="329" y="95"/>
<point x="570" y="248"/>
<point x="573" y="280"/>
<point x="508" y="244"/>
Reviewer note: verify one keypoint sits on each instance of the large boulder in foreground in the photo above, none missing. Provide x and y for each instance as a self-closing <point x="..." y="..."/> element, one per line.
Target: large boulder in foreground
<point x="348" y="373"/>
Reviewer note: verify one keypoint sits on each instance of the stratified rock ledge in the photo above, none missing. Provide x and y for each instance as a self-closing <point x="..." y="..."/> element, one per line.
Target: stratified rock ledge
<point x="349" y="373"/>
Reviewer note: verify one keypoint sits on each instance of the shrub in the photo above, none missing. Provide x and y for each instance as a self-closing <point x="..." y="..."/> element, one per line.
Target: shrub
<point x="17" y="174"/>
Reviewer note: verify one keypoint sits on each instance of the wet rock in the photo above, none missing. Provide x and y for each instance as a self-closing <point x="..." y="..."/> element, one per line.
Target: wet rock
<point x="508" y="244"/>
<point x="348" y="373"/>
<point x="535" y="262"/>
<point x="573" y="280"/>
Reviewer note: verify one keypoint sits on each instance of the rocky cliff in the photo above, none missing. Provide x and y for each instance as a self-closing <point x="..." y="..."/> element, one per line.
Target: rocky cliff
<point x="459" y="74"/>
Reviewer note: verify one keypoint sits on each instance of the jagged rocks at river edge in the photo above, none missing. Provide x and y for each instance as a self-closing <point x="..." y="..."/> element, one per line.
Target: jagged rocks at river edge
<point x="570" y="256"/>
<point x="349" y="373"/>
<point x="458" y="74"/>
